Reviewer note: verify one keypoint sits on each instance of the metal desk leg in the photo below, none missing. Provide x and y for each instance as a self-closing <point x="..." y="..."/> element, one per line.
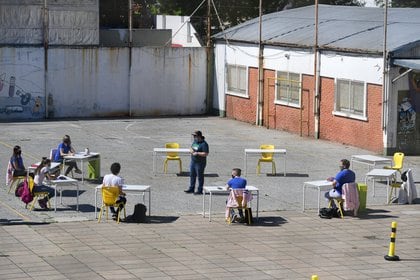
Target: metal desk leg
<point x="303" y="202"/>
<point x="319" y="198"/>
<point x="285" y="165"/>
<point x="96" y="202"/>
<point x="77" y="205"/>
<point x="387" y="189"/>
<point x="204" y="204"/>
<point x="210" y="202"/>
<point x="154" y="163"/>
<point x="150" y="201"/>
<point x="55" y="198"/>
<point x="258" y="202"/>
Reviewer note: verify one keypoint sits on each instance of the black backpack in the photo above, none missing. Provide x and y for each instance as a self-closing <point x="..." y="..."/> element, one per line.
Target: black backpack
<point x="139" y="215"/>
<point x="328" y="213"/>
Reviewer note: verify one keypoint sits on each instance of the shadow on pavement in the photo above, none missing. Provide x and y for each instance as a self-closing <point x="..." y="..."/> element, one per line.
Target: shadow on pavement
<point x="187" y="174"/>
<point x="375" y="214"/>
<point x="287" y="175"/>
<point x="70" y="193"/>
<point x="15" y="222"/>
<point x="268" y="222"/>
<point x="161" y="219"/>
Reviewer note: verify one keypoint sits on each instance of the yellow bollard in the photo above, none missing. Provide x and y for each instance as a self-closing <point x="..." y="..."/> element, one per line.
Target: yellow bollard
<point x="314" y="277"/>
<point x="391" y="253"/>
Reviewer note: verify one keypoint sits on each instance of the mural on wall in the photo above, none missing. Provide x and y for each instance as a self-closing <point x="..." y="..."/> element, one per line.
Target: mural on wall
<point x="16" y="101"/>
<point x="408" y="137"/>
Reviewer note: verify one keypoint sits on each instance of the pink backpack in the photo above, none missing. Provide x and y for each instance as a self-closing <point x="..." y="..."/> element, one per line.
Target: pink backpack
<point x="26" y="196"/>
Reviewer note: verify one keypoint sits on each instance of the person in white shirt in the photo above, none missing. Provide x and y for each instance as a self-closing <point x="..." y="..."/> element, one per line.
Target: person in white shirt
<point x="113" y="180"/>
<point x="42" y="172"/>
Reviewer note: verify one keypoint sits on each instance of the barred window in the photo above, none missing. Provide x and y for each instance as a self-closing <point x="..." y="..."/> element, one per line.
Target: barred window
<point x="236" y="79"/>
<point x="350" y="97"/>
<point x="288" y="88"/>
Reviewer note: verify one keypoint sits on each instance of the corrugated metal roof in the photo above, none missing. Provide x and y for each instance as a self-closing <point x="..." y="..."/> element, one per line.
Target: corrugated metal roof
<point x="358" y="29"/>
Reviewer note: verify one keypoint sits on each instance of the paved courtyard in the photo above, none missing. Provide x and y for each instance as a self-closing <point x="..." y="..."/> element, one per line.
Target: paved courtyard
<point x="285" y="243"/>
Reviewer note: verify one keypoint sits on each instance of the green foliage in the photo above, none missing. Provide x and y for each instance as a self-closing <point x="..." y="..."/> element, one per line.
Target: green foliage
<point x="114" y="13"/>
<point x="399" y="3"/>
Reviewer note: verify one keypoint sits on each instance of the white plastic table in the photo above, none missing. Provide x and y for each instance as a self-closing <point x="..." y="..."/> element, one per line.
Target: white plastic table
<point x="319" y="185"/>
<point x="222" y="189"/>
<point x="259" y="151"/>
<point x="375" y="174"/>
<point x="81" y="158"/>
<point x="157" y="151"/>
<point x="370" y="161"/>
<point x="60" y="182"/>
<point x="129" y="189"/>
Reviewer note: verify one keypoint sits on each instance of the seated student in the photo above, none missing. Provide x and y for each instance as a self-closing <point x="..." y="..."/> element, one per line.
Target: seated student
<point x="42" y="172"/>
<point x="65" y="149"/>
<point x="236" y="183"/>
<point x="15" y="167"/>
<point x="113" y="180"/>
<point x="345" y="175"/>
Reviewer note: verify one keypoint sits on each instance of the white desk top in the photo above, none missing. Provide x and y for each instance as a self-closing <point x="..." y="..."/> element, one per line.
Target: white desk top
<point x="128" y="188"/>
<point x="62" y="180"/>
<point x="35" y="165"/>
<point x="165" y="150"/>
<point x="381" y="172"/>
<point x="319" y="183"/>
<point x="276" y="151"/>
<point x="81" y="155"/>
<point x="370" y="158"/>
<point x="223" y="188"/>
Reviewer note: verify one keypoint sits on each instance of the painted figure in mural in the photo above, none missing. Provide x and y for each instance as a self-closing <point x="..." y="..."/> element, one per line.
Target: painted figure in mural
<point x="407" y="116"/>
<point x="12" y="86"/>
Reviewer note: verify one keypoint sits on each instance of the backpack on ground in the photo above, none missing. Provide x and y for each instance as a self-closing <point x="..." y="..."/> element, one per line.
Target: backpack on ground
<point x="19" y="189"/>
<point x="139" y="215"/>
<point x="27" y="196"/>
<point x="328" y="213"/>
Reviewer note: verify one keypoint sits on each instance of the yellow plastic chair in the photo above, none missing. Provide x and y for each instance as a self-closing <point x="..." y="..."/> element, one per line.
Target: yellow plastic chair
<point x="266" y="157"/>
<point x="245" y="208"/>
<point x="37" y="195"/>
<point x="398" y="161"/>
<point x="109" y="198"/>
<point x="339" y="202"/>
<point x="172" y="156"/>
<point x="15" y="182"/>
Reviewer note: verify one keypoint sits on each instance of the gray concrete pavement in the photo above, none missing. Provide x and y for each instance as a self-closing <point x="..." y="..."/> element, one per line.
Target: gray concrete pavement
<point x="179" y="243"/>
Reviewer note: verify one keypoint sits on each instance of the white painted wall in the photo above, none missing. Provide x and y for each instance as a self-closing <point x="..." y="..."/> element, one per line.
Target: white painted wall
<point x="360" y="68"/>
<point x="168" y="81"/>
<point x="96" y="82"/>
<point x="22" y="83"/>
<point x="183" y="33"/>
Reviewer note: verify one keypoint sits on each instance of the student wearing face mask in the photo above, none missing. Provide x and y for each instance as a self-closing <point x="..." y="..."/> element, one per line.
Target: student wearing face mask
<point x="344" y="176"/>
<point x="65" y="149"/>
<point x="199" y="152"/>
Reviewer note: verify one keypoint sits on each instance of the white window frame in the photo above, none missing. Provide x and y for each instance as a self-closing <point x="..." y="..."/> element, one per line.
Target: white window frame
<point x="232" y="91"/>
<point x="277" y="88"/>
<point x="350" y="112"/>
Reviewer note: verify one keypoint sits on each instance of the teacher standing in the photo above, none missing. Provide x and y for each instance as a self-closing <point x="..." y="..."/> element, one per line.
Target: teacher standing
<point x="199" y="152"/>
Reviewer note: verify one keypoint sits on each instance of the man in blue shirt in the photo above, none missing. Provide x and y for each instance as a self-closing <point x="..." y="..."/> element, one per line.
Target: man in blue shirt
<point x="199" y="151"/>
<point x="343" y="177"/>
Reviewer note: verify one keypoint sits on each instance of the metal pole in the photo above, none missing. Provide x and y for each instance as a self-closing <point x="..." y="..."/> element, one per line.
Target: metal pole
<point x="209" y="75"/>
<point x="130" y="44"/>
<point x="260" y="94"/>
<point x="316" y="76"/>
<point x="385" y="72"/>
<point x="46" y="35"/>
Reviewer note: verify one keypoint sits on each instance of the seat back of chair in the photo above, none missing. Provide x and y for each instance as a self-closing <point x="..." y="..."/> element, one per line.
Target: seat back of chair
<point x="110" y="195"/>
<point x="398" y="160"/>
<point x="239" y="194"/>
<point x="267" y="156"/>
<point x="172" y="145"/>
<point x="52" y="154"/>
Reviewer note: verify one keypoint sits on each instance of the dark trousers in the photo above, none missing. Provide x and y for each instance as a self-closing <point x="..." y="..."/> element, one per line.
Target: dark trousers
<point x="70" y="165"/>
<point x="120" y="199"/>
<point x="43" y="188"/>
<point x="197" y="170"/>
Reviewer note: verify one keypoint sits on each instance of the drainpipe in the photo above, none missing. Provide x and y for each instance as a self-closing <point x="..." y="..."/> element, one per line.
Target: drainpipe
<point x="209" y="76"/>
<point x="260" y="94"/>
<point x="130" y="44"/>
<point x="45" y="43"/>
<point x="316" y="76"/>
<point x="385" y="85"/>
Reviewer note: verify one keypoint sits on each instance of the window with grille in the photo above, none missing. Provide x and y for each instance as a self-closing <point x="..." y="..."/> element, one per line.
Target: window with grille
<point x="350" y="98"/>
<point x="288" y="87"/>
<point x="236" y="79"/>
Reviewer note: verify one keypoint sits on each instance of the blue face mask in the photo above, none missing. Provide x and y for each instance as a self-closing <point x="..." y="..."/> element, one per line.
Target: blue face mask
<point x="196" y="139"/>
